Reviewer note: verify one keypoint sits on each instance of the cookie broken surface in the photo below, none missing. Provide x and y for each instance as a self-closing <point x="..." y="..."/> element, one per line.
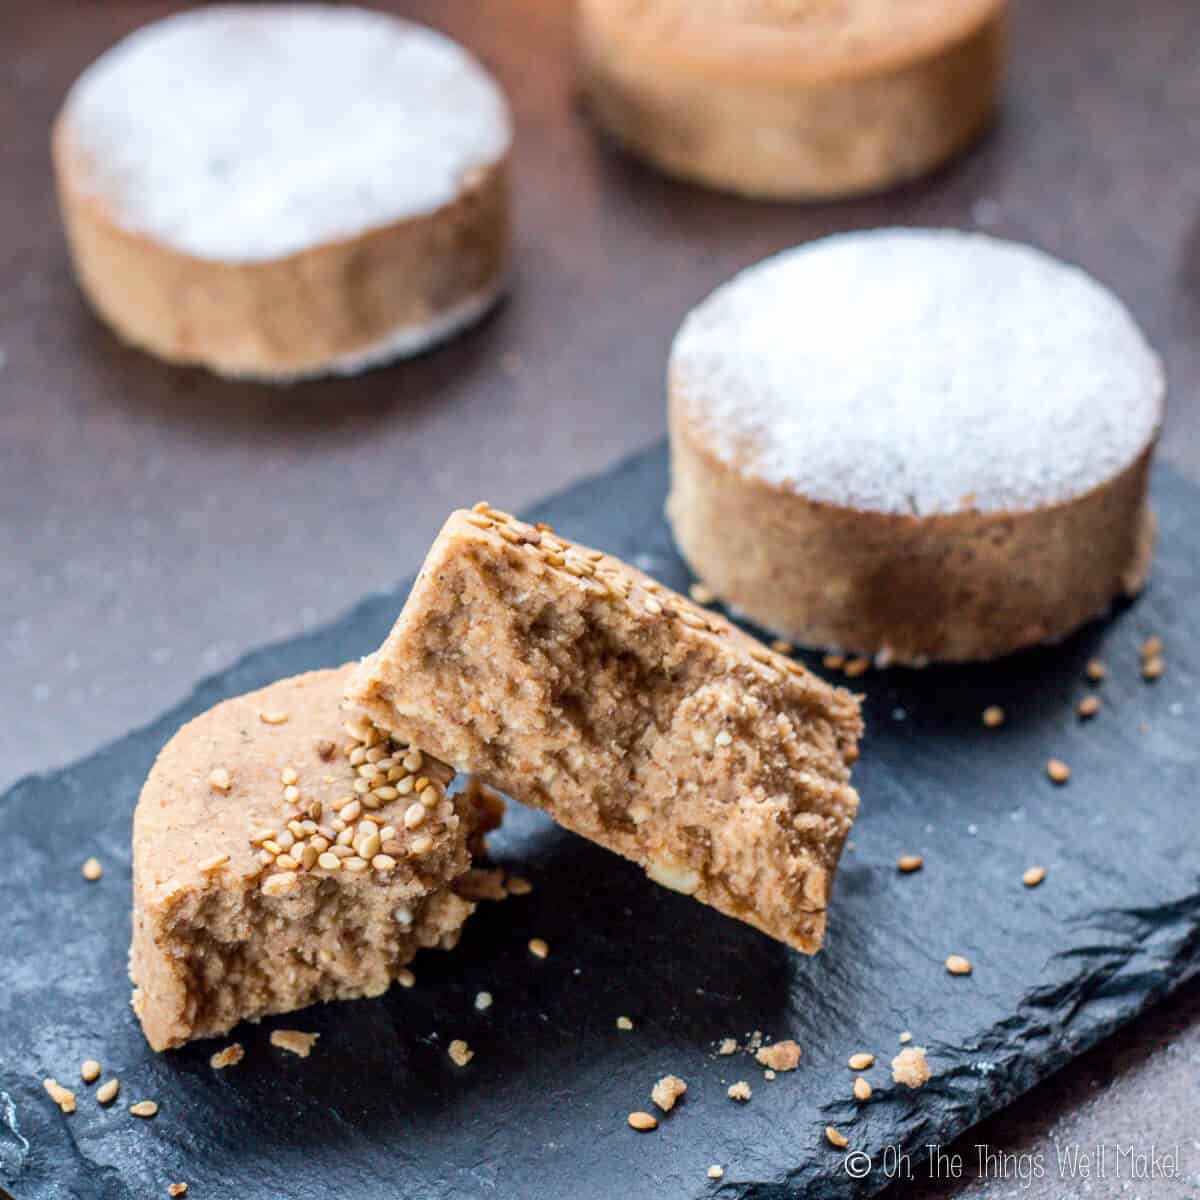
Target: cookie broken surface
<point x="630" y="715"/>
<point x="270" y="895"/>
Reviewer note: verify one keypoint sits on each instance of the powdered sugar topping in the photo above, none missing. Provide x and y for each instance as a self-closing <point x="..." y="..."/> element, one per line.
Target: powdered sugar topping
<point x="250" y="132"/>
<point x="920" y="372"/>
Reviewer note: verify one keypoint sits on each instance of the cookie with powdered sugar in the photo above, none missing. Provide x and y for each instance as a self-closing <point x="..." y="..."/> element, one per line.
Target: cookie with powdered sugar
<point x="917" y="445"/>
<point x="287" y="190"/>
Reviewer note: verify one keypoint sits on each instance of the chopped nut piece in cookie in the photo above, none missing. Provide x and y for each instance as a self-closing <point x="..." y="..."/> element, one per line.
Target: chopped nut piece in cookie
<point x="728" y="1046"/>
<point x="229" y="1057"/>
<point x="910" y="1067"/>
<point x="1058" y="771"/>
<point x="92" y="870"/>
<point x="862" y="1089"/>
<point x="835" y="1138"/>
<point x="643" y="1122"/>
<point x="667" y="1092"/>
<point x="294" y="1041"/>
<point x="624" y="1023"/>
<point x="906" y="864"/>
<point x="780" y="1056"/>
<point x="538" y="948"/>
<point x="144" y="1108"/>
<point x="106" y="1093"/>
<point x="739" y="1091"/>
<point x="63" y="1097"/>
<point x="89" y="1070"/>
<point x="1033" y="876"/>
<point x="993" y="716"/>
<point x="460" y="1053"/>
<point x="861" y="1062"/>
<point x="957" y="965"/>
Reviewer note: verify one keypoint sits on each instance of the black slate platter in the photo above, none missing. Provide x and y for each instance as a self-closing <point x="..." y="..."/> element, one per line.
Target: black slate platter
<point x="379" y="1111"/>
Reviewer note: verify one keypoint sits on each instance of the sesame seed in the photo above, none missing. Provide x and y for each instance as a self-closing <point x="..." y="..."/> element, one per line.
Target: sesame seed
<point x="414" y="815"/>
<point x="1095" y="670"/>
<point x="833" y="662"/>
<point x="643" y="1122"/>
<point x="957" y="965"/>
<point x="144" y="1108"/>
<point x="834" y="1138"/>
<point x="739" y="1091"/>
<point x="993" y="716"/>
<point x="214" y="863"/>
<point x="355" y="863"/>
<point x="1033" y="876"/>
<point x="281" y="884"/>
<point x="716" y="1171"/>
<point x="288" y="776"/>
<point x="518" y="885"/>
<point x="701" y="593"/>
<point x="856" y="667"/>
<point x="782" y="647"/>
<point x="285" y="862"/>
<point x="291" y="794"/>
<point x="480" y="506"/>
<point x="229" y="1057"/>
<point x="218" y="779"/>
<point x="860" y="1062"/>
<point x="383" y="862"/>
<point x="483" y="1001"/>
<point x="1152" y="668"/>
<point x="89" y="1070"/>
<point x="63" y="1097"/>
<point x="538" y="948"/>
<point x="1089" y="706"/>
<point x="1152" y="647"/>
<point x="624" y="1023"/>
<point x="405" y="978"/>
<point x="294" y="1041"/>
<point x="177" y="1189"/>
<point x="862" y="1089"/>
<point x="460" y="1053"/>
<point x="421" y="845"/>
<point x="92" y="870"/>
<point x="273" y="718"/>
<point x="906" y="864"/>
<point x="1058" y="771"/>
<point x="106" y="1093"/>
<point x="653" y="607"/>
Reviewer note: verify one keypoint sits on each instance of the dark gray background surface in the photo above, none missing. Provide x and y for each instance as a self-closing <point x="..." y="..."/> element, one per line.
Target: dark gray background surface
<point x="155" y="523"/>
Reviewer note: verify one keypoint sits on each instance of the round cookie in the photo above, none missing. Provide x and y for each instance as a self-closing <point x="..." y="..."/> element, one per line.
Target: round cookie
<point x="919" y="445"/>
<point x="792" y="99"/>
<point x="284" y="191"/>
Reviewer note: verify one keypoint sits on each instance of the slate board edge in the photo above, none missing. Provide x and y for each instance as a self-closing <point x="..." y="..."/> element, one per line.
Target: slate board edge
<point x="1163" y="941"/>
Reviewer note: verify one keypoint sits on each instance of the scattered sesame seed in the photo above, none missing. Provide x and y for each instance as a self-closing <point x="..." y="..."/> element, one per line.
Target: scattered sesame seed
<point x="905" y="1038"/>
<point x="993" y="716"/>
<point x="1089" y="706"/>
<point x="862" y="1089"/>
<point x="957" y="965"/>
<point x="89" y="1070"/>
<point x="177" y="1189"/>
<point x="1152" y="668"/>
<point x="517" y="885"/>
<point x="906" y="864"/>
<point x="1152" y="647"/>
<point x="716" y="1171"/>
<point x="92" y="870"/>
<point x="1096" y="670"/>
<point x="273" y="718"/>
<point x="405" y="978"/>
<point x="739" y="1091"/>
<point x="483" y="1001"/>
<point x="229" y="1057"/>
<point x="1058" y="771"/>
<point x="214" y="863"/>
<point x="701" y="593"/>
<point x="106" y="1093"/>
<point x="840" y="1140"/>
<point x="624" y="1023"/>
<point x="538" y="948"/>
<point x="218" y="779"/>
<point x="667" y="1092"/>
<point x="860" y="1062"/>
<point x="1033" y="876"/>
<point x="643" y="1122"/>
<point x="833" y="662"/>
<point x="727" y="1047"/>
<point x="460" y="1053"/>
<point x="910" y="1067"/>
<point x="782" y="647"/>
<point x="63" y="1097"/>
<point x="144" y="1108"/>
<point x="779" y="1056"/>
<point x="856" y="667"/>
<point x="294" y="1041"/>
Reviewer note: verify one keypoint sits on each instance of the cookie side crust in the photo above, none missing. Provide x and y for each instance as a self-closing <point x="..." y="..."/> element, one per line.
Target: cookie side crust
<point x="632" y="716"/>
<point x="258" y="891"/>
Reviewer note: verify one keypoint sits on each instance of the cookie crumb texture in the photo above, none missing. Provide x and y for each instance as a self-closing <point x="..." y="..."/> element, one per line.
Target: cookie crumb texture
<point x="947" y="460"/>
<point x="651" y="726"/>
<point x="910" y="1067"/>
<point x="774" y="98"/>
<point x="341" y="197"/>
<point x="211" y="948"/>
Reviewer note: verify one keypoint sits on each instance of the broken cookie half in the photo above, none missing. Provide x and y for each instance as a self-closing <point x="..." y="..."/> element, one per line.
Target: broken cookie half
<point x="632" y="716"/>
<point x="287" y="852"/>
